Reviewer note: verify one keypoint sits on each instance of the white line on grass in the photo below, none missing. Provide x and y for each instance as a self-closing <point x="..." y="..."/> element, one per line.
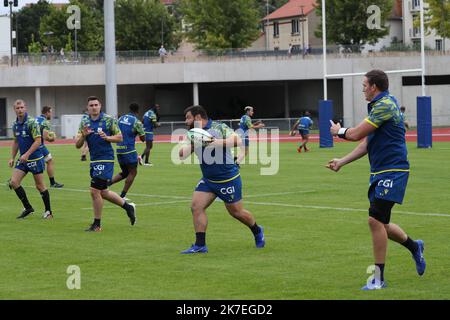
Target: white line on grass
<point x="426" y="214"/>
<point x="139" y="205"/>
<point x="344" y="209"/>
<point x="277" y="194"/>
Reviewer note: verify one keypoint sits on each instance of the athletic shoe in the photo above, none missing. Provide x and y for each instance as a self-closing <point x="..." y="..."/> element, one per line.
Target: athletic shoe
<point x="125" y="198"/>
<point x="259" y="238"/>
<point x="299" y="150"/>
<point x="131" y="213"/>
<point x="83" y="158"/>
<point x="373" y="286"/>
<point x="195" y="249"/>
<point x="141" y="162"/>
<point x="25" y="213"/>
<point x="306" y="149"/>
<point x="47" y="215"/>
<point x="148" y="164"/>
<point x="419" y="258"/>
<point x="93" y="228"/>
<point x="57" y="185"/>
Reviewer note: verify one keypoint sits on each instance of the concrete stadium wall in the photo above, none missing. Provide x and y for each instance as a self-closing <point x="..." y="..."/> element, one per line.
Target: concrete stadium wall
<point x="171" y="84"/>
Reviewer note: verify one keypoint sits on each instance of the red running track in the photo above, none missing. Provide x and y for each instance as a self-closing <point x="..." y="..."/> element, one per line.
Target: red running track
<point x="439" y="135"/>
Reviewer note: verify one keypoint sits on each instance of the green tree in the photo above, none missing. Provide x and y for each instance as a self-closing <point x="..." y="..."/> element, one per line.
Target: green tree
<point x="29" y="19"/>
<point x="221" y="24"/>
<point x="144" y="24"/>
<point x="347" y="22"/>
<point x="89" y="37"/>
<point x="437" y="17"/>
<point x="34" y="47"/>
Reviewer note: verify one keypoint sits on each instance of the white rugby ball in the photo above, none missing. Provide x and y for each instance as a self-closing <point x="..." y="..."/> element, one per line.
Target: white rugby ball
<point x="200" y="136"/>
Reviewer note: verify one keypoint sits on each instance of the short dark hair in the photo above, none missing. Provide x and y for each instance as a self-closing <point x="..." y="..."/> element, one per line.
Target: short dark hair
<point x="307" y="113"/>
<point x="195" y="110"/>
<point x="134" y="107"/>
<point x="92" y="98"/>
<point x="402" y="108"/>
<point x="46" y="109"/>
<point x="378" y="78"/>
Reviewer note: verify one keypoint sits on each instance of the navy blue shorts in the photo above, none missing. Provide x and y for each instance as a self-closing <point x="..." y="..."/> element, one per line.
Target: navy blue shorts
<point x="228" y="192"/>
<point x="390" y="186"/>
<point x="102" y="170"/>
<point x="128" y="158"/>
<point x="303" y="132"/>
<point x="246" y="141"/>
<point x="44" y="151"/>
<point x="36" y="166"/>
<point x="148" y="136"/>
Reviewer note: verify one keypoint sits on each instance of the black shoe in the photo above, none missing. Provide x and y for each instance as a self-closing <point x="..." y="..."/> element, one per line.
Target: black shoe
<point x="57" y="185"/>
<point x="83" y="158"/>
<point x="131" y="213"/>
<point x="93" y="228"/>
<point x="25" y="213"/>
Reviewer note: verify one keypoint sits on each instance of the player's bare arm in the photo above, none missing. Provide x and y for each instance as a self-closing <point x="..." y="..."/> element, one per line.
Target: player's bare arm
<point x="33" y="148"/>
<point x="14" y="150"/>
<point x="352" y="134"/>
<point x="113" y="139"/>
<point x="357" y="153"/>
<point x="232" y="141"/>
<point x="186" y="150"/>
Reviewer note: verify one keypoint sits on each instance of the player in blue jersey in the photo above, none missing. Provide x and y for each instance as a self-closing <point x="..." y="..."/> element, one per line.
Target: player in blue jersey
<point x="244" y="125"/>
<point x="150" y="122"/>
<point x="127" y="155"/>
<point x="221" y="178"/>
<point x="48" y="135"/>
<point x="382" y="136"/>
<point x="27" y="139"/>
<point x="99" y="130"/>
<point x="303" y="125"/>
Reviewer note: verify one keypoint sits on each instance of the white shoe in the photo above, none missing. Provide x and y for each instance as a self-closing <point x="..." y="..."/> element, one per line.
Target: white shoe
<point x="126" y="199"/>
<point x="148" y="164"/>
<point x="47" y="215"/>
<point x="141" y="162"/>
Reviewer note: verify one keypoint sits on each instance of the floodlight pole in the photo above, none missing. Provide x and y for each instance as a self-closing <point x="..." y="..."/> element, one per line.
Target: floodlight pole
<point x="422" y="46"/>
<point x="324" y="45"/>
<point x="10" y="32"/>
<point x="110" y="59"/>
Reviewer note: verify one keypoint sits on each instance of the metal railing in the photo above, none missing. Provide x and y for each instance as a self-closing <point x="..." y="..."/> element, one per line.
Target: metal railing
<point x="283" y="124"/>
<point x="152" y="56"/>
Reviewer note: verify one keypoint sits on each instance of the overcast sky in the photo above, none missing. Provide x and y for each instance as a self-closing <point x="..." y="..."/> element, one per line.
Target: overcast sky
<point x="4" y="10"/>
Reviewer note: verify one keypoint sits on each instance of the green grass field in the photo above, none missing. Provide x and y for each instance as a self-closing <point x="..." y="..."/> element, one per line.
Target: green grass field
<point x="318" y="242"/>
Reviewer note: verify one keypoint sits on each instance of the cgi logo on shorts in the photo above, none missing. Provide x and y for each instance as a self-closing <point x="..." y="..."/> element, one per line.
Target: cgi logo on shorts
<point x="229" y="190"/>
<point x="99" y="167"/>
<point x="74" y="279"/>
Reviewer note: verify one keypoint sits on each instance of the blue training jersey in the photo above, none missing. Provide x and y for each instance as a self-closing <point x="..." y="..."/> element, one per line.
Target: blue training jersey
<point x="25" y="133"/>
<point x="217" y="163"/>
<point x="305" y="123"/>
<point x="149" y="121"/>
<point x="44" y="124"/>
<point x="99" y="149"/>
<point x="130" y="126"/>
<point x="245" y="123"/>
<point x="386" y="145"/>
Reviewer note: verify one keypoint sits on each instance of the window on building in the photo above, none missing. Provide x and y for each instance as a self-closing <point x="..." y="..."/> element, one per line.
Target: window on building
<point x="416" y="4"/>
<point x="439" y="45"/>
<point x="295" y="26"/>
<point x="276" y="29"/>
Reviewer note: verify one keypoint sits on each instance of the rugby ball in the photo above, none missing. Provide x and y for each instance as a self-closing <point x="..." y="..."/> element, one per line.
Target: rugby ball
<point x="199" y="136"/>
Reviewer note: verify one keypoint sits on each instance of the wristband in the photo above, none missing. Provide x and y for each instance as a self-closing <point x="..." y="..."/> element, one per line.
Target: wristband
<point x="342" y="132"/>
